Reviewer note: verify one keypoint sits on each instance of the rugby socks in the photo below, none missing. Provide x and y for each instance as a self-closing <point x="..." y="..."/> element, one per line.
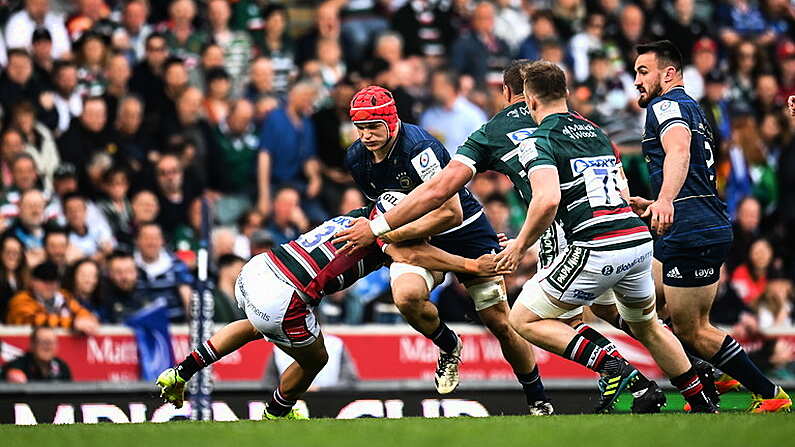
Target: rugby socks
<point x="444" y="338"/>
<point x="689" y="384"/>
<point x="592" y="356"/>
<point x="532" y="385"/>
<point x="596" y="337"/>
<point x="279" y="405"/>
<point x="732" y="359"/>
<point x="204" y="355"/>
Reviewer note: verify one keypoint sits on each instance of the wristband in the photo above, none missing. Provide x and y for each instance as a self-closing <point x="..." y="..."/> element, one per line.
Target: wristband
<point x="384" y="247"/>
<point x="379" y="226"/>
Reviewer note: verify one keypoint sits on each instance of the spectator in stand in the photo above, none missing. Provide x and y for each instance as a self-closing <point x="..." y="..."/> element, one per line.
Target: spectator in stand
<point x="745" y="63"/>
<point x="17" y="83"/>
<point x="512" y="22"/>
<point x="174" y="192"/>
<point x="425" y="28"/>
<point x="260" y="89"/>
<point x="120" y="294"/>
<point x="145" y="207"/>
<point x="746" y="229"/>
<point x="683" y="28"/>
<point x="765" y="94"/>
<point x="41" y="53"/>
<point x="480" y="54"/>
<point x="23" y="178"/>
<point x="752" y="282"/>
<point x="785" y="55"/>
<point x="91" y="58"/>
<point x="742" y="19"/>
<point x="12" y="144"/>
<point x="499" y="214"/>
<point x="40" y="363"/>
<point x="569" y="16"/>
<point x="82" y="281"/>
<point x="288" y="220"/>
<point x="274" y="42"/>
<point x="65" y="182"/>
<point x="147" y="78"/>
<point x="132" y="141"/>
<point x="184" y="41"/>
<point x="163" y="275"/>
<point x="134" y="29"/>
<point x="92" y="240"/>
<point x="115" y="205"/>
<point x="453" y="118"/>
<point x="247" y="225"/>
<point x="704" y="60"/>
<point x="226" y="308"/>
<point x="38" y="140"/>
<point x="189" y="126"/>
<point x="29" y="225"/>
<point x="389" y="47"/>
<point x="288" y="152"/>
<point x="631" y="26"/>
<point x="543" y="28"/>
<point x="58" y="251"/>
<point x="46" y="304"/>
<point x="20" y="27"/>
<point x="716" y="108"/>
<point x="234" y="149"/>
<point x="67" y="100"/>
<point x="746" y="170"/>
<point x="219" y="88"/>
<point x="212" y="56"/>
<point x="186" y="237"/>
<point x="236" y="44"/>
<point x="728" y="308"/>
<point x="327" y="26"/>
<point x="331" y="68"/>
<point x="87" y="136"/>
<point x="14" y="271"/>
<point x="117" y="75"/>
<point x="583" y="43"/>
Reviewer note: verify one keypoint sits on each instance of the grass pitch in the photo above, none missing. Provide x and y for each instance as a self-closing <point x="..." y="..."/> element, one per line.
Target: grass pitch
<point x="723" y="430"/>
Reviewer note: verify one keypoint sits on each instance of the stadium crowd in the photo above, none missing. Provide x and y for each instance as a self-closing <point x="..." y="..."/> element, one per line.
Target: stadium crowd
<point x="120" y="117"/>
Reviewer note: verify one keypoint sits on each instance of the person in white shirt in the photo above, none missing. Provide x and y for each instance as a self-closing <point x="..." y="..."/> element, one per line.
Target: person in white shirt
<point x="20" y="26"/>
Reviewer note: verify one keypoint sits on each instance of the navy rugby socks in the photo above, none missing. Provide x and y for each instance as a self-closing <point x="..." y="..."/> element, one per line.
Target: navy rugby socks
<point x="444" y="338"/>
<point x="532" y="386"/>
<point x="204" y="355"/>
<point x="279" y="405"/>
<point x="732" y="359"/>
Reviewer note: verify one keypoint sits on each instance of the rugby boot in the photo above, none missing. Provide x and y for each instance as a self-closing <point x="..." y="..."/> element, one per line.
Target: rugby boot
<point x="706" y="373"/>
<point x="648" y="400"/>
<point x="614" y="384"/>
<point x="780" y="403"/>
<point x="726" y="383"/>
<point x="446" y="377"/>
<point x="293" y="415"/>
<point x="541" y="408"/>
<point x="172" y="387"/>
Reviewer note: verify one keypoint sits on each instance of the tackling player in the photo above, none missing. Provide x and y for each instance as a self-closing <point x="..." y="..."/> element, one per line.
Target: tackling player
<point x="494" y="147"/>
<point x="393" y="156"/>
<point x="693" y="230"/>
<point x="279" y="291"/>
<point x="573" y="175"/>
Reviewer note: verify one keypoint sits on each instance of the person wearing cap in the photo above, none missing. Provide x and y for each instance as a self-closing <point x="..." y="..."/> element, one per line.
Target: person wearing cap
<point x="20" y="26"/>
<point x="288" y="152"/>
<point x="47" y="304"/>
<point x="785" y="54"/>
<point x="41" y="52"/>
<point x="704" y="59"/>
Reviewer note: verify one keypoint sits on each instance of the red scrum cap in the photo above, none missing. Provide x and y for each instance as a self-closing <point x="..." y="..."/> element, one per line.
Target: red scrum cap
<point x="375" y="104"/>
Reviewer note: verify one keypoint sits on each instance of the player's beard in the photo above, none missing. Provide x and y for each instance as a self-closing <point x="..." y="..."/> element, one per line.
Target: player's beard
<point x="651" y="93"/>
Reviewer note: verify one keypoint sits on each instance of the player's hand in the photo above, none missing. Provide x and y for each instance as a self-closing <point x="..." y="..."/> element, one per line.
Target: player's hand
<point x="86" y="325"/>
<point x="639" y="204"/>
<point x="503" y="239"/>
<point x="486" y="265"/>
<point x="357" y="236"/>
<point x="508" y="259"/>
<point x="791" y="105"/>
<point x="662" y="215"/>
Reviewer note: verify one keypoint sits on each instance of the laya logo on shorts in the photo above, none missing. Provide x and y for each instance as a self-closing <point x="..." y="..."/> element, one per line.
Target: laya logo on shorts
<point x="704" y="273"/>
<point x="579" y="165"/>
<point x="517" y="136"/>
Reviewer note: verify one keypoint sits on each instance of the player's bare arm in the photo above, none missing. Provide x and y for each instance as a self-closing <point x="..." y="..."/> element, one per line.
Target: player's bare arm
<point x="540" y="215"/>
<point x="426" y="197"/>
<point x="449" y="215"/>
<point x="427" y="256"/>
<point x="676" y="143"/>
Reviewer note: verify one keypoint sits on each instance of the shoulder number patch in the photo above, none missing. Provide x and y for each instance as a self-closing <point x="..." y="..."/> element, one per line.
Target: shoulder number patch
<point x="426" y="164"/>
<point x="665" y="110"/>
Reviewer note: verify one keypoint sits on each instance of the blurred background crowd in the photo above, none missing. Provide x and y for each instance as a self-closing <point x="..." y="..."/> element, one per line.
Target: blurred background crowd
<point x="120" y="117"/>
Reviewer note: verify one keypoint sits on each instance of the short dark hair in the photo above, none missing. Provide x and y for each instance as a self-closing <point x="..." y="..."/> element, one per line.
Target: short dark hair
<point x="53" y="231"/>
<point x="118" y="254"/>
<point x="228" y="259"/>
<point x="544" y="80"/>
<point x="512" y="75"/>
<point x="18" y="52"/>
<point x="450" y="77"/>
<point x="60" y="65"/>
<point x="154" y="35"/>
<point x="665" y="51"/>
<point x="73" y="196"/>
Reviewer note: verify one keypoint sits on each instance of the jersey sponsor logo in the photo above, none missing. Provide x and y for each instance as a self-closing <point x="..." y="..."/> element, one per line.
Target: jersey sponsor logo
<point x="674" y="273"/>
<point x="628" y="265"/>
<point x="520" y="112"/>
<point x="665" y="110"/>
<point x="426" y="164"/>
<point x="577" y="131"/>
<point x="572" y="264"/>
<point x="582" y="295"/>
<point x="527" y="151"/>
<point x="517" y="136"/>
<point x="607" y="270"/>
<point x="579" y="165"/>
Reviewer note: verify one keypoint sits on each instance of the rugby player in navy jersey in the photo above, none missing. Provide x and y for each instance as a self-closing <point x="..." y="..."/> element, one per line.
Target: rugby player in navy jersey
<point x="279" y="291"/>
<point x="693" y="231"/>
<point x="394" y="156"/>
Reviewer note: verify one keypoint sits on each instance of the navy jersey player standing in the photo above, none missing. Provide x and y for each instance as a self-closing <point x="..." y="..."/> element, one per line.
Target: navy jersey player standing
<point x="393" y="156"/>
<point x="693" y="229"/>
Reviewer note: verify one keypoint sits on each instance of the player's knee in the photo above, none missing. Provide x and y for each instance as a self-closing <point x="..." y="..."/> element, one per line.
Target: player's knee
<point x="409" y="296"/>
<point x="687" y="333"/>
<point x="518" y="318"/>
<point x="500" y="328"/>
<point x="319" y="361"/>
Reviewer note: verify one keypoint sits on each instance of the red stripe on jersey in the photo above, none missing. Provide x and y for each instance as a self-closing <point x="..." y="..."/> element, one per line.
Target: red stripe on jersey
<point x="283" y="268"/>
<point x="337" y="266"/>
<point x="304" y="255"/>
<point x="294" y="323"/>
<point x="625" y="209"/>
<point x="624" y="232"/>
